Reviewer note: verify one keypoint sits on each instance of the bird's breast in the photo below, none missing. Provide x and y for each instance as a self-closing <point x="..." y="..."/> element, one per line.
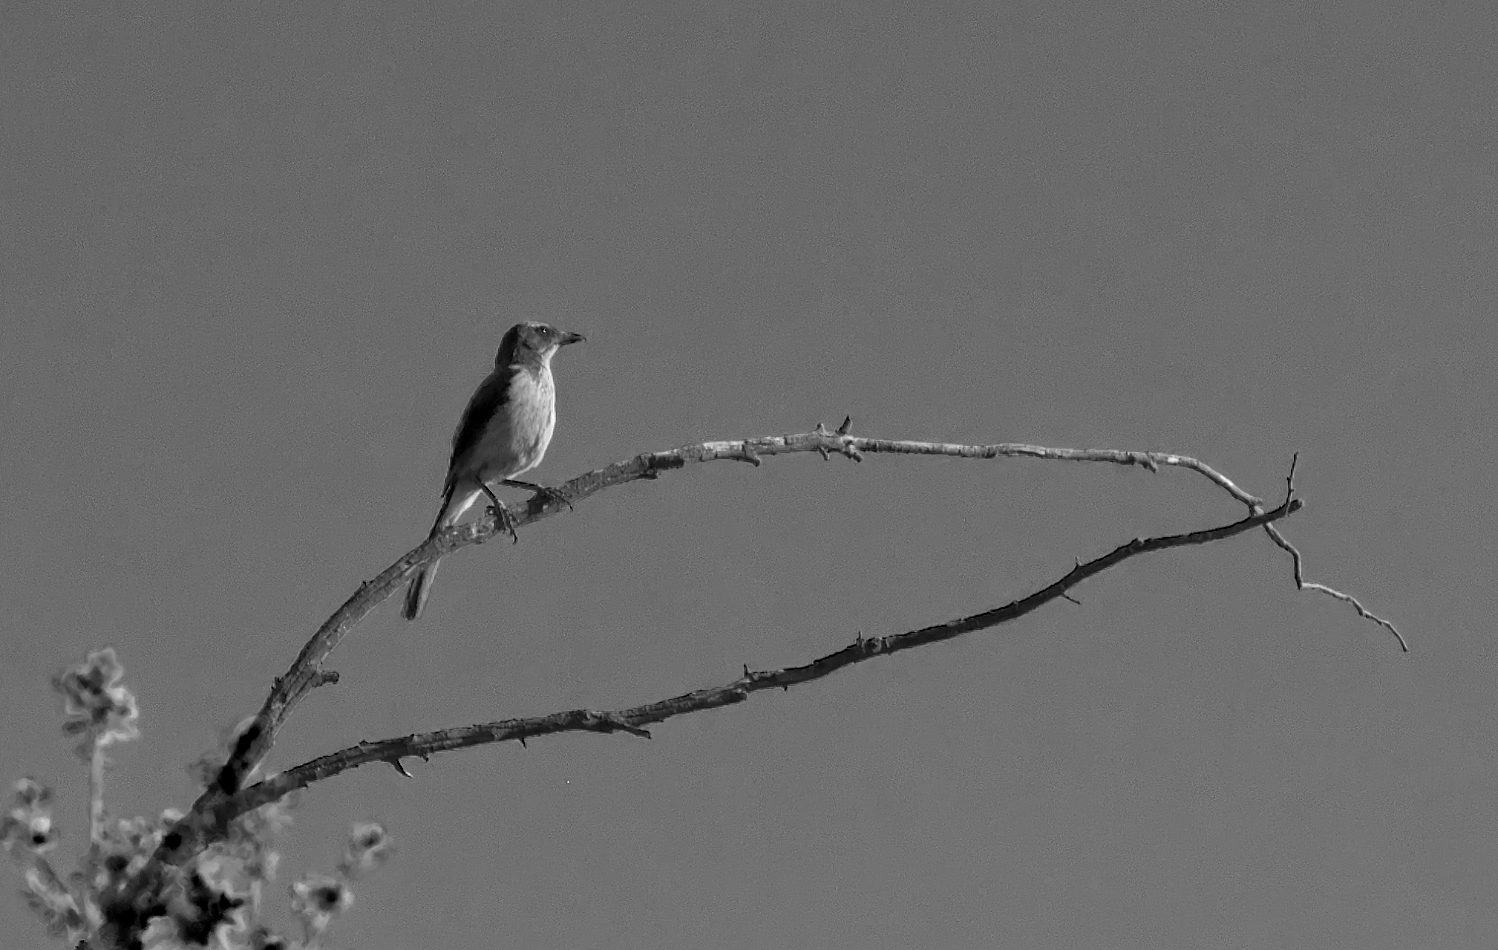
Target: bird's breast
<point x="532" y="418"/>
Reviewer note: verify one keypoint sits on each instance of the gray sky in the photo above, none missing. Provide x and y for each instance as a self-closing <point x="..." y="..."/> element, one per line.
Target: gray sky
<point x="254" y="260"/>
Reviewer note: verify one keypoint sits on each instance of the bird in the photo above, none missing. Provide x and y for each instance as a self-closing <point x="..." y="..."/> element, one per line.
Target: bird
<point x="503" y="433"/>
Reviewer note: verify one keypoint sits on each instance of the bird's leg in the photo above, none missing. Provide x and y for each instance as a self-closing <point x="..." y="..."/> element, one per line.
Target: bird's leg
<point x="502" y="514"/>
<point x="548" y="496"/>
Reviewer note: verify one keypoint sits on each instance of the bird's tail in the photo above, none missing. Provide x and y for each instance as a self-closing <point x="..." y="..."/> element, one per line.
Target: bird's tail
<point x="420" y="587"/>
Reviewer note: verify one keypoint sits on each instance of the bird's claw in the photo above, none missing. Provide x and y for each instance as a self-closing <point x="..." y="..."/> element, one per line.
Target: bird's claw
<point x="504" y="521"/>
<point x="553" y="496"/>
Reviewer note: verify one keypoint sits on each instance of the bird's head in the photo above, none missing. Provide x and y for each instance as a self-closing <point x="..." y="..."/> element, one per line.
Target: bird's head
<point x="532" y="342"/>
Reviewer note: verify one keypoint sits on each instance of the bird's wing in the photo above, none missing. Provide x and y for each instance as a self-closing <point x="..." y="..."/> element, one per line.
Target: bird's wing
<point x="487" y="402"/>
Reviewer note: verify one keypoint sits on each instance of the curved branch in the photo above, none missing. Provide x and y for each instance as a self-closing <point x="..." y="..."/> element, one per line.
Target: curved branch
<point x="633" y="720"/>
<point x="306" y="672"/>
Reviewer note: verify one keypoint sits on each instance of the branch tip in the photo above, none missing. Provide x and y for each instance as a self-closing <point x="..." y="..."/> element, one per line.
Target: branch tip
<point x="323" y="678"/>
<point x="1302" y="584"/>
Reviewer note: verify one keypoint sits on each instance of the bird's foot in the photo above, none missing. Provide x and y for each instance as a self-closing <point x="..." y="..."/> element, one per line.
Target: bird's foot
<point x="548" y="496"/>
<point x="554" y="496"/>
<point x="504" y="520"/>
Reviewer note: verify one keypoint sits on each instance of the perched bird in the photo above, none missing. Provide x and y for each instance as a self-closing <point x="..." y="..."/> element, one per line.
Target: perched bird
<point x="503" y="433"/>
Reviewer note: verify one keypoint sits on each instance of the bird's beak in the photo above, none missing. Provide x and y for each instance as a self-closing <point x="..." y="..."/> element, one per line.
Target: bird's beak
<point x="571" y="338"/>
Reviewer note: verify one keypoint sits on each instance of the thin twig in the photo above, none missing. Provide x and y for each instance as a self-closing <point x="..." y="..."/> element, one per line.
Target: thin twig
<point x="1302" y="584"/>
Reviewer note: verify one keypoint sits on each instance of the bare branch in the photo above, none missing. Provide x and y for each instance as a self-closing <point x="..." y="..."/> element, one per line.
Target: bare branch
<point x="226" y="798"/>
<point x="209" y="816"/>
<point x="632" y="720"/>
<point x="306" y="674"/>
<point x="1303" y="584"/>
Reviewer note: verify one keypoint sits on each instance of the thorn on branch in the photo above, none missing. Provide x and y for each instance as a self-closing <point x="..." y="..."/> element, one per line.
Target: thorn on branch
<point x="522" y="743"/>
<point x="395" y="762"/>
<point x="1069" y="597"/>
<point x="749" y="455"/>
<point x="847" y="424"/>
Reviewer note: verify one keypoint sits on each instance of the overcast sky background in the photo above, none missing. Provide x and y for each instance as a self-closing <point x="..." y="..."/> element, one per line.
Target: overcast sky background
<point x="254" y="260"/>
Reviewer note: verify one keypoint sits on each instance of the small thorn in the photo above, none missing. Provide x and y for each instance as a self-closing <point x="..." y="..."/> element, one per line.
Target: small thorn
<point x="820" y="429"/>
<point x="821" y="450"/>
<point x="750" y="455"/>
<point x="1071" y="598"/>
<point x="396" y="762"/>
<point x="847" y="424"/>
<point x="522" y="743"/>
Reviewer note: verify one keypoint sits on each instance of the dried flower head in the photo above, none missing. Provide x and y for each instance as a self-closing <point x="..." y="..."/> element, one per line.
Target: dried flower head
<point x="367" y="848"/>
<point x="205" y="905"/>
<point x="317" y="899"/>
<point x="97" y="707"/>
<point x="28" y="824"/>
<point x="261" y="938"/>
